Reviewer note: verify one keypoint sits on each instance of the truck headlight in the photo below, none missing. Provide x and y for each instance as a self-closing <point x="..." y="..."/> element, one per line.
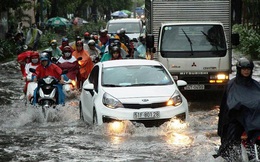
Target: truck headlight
<point x="111" y="102"/>
<point x="175" y="99"/>
<point x="219" y="78"/>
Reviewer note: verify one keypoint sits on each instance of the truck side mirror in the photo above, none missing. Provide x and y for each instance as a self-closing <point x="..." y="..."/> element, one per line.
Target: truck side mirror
<point x="235" y="39"/>
<point x="149" y="41"/>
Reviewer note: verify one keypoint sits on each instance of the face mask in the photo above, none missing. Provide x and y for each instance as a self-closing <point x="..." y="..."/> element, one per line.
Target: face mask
<point x="67" y="54"/>
<point x="34" y="61"/>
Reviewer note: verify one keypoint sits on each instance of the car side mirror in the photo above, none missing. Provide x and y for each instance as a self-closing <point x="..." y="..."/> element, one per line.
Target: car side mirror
<point x="181" y="83"/>
<point x="88" y="87"/>
<point x="235" y="39"/>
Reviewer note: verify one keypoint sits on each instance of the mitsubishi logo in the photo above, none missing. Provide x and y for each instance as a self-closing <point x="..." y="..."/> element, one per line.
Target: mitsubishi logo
<point x="193" y="64"/>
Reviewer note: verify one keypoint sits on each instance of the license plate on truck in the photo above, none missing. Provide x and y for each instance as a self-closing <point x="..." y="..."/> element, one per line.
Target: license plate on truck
<point x="194" y="87"/>
<point x="147" y="115"/>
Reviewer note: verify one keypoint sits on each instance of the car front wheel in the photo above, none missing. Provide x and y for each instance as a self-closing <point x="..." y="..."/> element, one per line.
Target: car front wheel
<point x="95" y="120"/>
<point x="80" y="111"/>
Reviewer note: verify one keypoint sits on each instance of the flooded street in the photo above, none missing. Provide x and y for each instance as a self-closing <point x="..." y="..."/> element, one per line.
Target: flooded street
<point x="26" y="136"/>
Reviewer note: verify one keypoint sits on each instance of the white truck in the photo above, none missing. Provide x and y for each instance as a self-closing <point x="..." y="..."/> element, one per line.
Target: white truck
<point x="193" y="40"/>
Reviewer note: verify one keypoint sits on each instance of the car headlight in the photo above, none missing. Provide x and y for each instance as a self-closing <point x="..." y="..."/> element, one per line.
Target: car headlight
<point x="111" y="102"/>
<point x="175" y="99"/>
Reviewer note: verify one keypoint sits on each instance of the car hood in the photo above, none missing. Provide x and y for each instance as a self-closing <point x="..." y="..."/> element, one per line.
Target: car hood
<point x="137" y="92"/>
<point x="133" y="35"/>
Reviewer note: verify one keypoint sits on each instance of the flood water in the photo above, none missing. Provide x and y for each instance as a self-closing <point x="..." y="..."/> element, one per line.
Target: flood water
<point x="26" y="136"/>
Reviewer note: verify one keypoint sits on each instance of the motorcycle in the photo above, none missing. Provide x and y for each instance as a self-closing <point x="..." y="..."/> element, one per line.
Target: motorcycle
<point x="250" y="151"/>
<point x="47" y="92"/>
<point x="70" y="88"/>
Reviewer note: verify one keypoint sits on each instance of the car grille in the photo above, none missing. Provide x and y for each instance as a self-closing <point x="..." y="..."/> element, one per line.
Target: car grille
<point x="140" y="106"/>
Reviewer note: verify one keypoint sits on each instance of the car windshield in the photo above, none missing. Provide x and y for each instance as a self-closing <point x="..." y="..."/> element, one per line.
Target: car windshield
<point x="131" y="27"/>
<point x="139" y="75"/>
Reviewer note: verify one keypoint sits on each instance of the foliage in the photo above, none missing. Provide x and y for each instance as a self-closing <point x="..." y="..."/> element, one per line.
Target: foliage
<point x="249" y="41"/>
<point x="70" y="33"/>
<point x="7" y="49"/>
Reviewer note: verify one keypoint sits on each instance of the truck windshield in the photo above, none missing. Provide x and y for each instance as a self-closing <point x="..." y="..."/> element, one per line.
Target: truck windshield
<point x="193" y="40"/>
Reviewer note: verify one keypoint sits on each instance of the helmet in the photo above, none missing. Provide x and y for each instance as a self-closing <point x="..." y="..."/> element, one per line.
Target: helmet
<point x="79" y="43"/>
<point x="91" y="42"/>
<point x="117" y="42"/>
<point x="65" y="39"/>
<point x="142" y="38"/>
<point x="115" y="49"/>
<point x="35" y="54"/>
<point x="78" y="38"/>
<point x="44" y="56"/>
<point x="54" y="42"/>
<point x="66" y="49"/>
<point x="86" y="34"/>
<point x="67" y="52"/>
<point x="94" y="36"/>
<point x="102" y="32"/>
<point x="122" y="31"/>
<point x="244" y="63"/>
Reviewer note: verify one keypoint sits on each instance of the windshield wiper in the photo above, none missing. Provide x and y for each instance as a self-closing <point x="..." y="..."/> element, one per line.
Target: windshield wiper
<point x="212" y="41"/>
<point x="188" y="38"/>
<point x="111" y="85"/>
<point x="144" y="84"/>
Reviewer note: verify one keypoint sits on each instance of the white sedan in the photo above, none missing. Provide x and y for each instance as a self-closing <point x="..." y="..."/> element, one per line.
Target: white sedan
<point x="139" y="91"/>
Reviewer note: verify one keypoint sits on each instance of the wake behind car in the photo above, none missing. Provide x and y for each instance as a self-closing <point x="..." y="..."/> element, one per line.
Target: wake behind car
<point x="139" y="91"/>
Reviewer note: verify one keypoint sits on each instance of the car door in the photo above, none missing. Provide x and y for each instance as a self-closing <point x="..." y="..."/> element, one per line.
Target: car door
<point x="90" y="94"/>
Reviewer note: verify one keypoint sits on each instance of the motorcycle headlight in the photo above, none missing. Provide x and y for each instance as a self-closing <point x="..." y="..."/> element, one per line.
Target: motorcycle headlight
<point x="48" y="80"/>
<point x="111" y="102"/>
<point x="175" y="99"/>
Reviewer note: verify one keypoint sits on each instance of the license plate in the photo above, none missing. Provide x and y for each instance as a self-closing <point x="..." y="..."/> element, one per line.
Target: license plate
<point x="147" y="115"/>
<point x="194" y="87"/>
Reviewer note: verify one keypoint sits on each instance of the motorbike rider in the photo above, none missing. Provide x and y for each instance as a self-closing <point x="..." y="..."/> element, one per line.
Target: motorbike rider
<point x="93" y="51"/>
<point x="34" y="62"/>
<point x="33" y="37"/>
<point x="70" y="63"/>
<point x="56" y="52"/>
<point x="103" y="37"/>
<point x="141" y="49"/>
<point x="115" y="41"/>
<point x="86" y="37"/>
<point x="65" y="42"/>
<point x="113" y="54"/>
<point x="47" y="68"/>
<point x="126" y="40"/>
<point x="239" y="106"/>
<point x="94" y="36"/>
<point x="116" y="55"/>
<point x="86" y="63"/>
<point x="22" y="59"/>
<point x="74" y="45"/>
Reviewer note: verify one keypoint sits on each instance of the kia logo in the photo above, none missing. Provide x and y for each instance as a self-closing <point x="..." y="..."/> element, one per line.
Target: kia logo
<point x="145" y="100"/>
